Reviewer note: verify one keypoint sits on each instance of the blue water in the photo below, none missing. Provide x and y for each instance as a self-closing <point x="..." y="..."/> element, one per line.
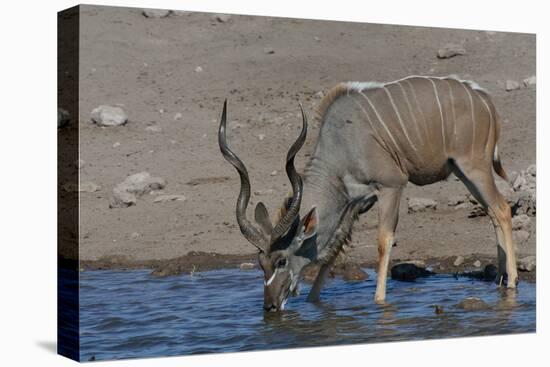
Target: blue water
<point x="128" y="314"/>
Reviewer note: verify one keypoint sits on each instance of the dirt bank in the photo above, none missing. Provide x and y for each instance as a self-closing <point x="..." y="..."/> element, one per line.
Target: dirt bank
<point x="171" y="75"/>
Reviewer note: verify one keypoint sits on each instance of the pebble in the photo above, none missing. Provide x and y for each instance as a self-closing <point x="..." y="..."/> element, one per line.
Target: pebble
<point x="261" y="137"/>
<point x="521" y="222"/>
<point x="532" y="80"/>
<point x="156" y="13"/>
<point x="105" y="115"/>
<point x="268" y="50"/>
<point x="82" y="187"/>
<point x="221" y="18"/>
<point x="274" y="173"/>
<point x="521" y="236"/>
<point x="198" y="69"/>
<point x="125" y="193"/>
<point x="116" y="144"/>
<point x="416" y="205"/>
<point x="459" y="261"/>
<point x="450" y="50"/>
<point x="153" y="128"/>
<point x="178" y="116"/>
<point x="472" y="304"/>
<point x="408" y="272"/>
<point x="510" y="85"/>
<point x="166" y="198"/>
<point x="477" y="264"/>
<point x="528" y="263"/>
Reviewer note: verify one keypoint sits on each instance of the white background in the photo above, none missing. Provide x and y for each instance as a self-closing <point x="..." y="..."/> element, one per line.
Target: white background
<point x="28" y="181"/>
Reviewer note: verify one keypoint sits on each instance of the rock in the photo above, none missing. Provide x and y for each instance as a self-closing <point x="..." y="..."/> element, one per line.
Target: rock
<point x="450" y="50"/>
<point x="472" y="304"/>
<point x="456" y="200"/>
<point x="268" y="50"/>
<point x="319" y="94"/>
<point x="489" y="273"/>
<point x="83" y="187"/>
<point x="521" y="236"/>
<point x="198" y="69"/>
<point x="526" y="203"/>
<point x="416" y="205"/>
<point x="532" y="80"/>
<point x="353" y="272"/>
<point x="153" y="128"/>
<point x="477" y="264"/>
<point x="166" y="198"/>
<point x="521" y="222"/>
<point x="221" y="18"/>
<point x="274" y="173"/>
<point x="247" y="266"/>
<point x="528" y="263"/>
<point x="156" y="13"/>
<point x="261" y="137"/>
<point x="263" y="192"/>
<point x="134" y="235"/>
<point x="510" y="85"/>
<point x="79" y="163"/>
<point x="477" y="211"/>
<point x="531" y="170"/>
<point x="63" y="118"/>
<point x="438" y="309"/>
<point x="109" y="116"/>
<point x="125" y="193"/>
<point x="178" y="116"/>
<point x="459" y="261"/>
<point x="408" y="272"/>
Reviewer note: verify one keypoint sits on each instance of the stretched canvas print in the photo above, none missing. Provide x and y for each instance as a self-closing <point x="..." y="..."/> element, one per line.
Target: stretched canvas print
<point x="233" y="183"/>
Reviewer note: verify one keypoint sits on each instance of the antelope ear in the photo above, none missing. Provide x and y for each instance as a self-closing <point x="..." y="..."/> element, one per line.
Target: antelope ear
<point x="310" y="223"/>
<point x="262" y="218"/>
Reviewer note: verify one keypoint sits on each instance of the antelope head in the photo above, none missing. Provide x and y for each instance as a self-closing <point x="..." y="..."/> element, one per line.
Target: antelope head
<point x="285" y="245"/>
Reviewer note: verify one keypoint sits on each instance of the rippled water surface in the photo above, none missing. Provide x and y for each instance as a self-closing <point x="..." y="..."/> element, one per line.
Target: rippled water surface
<point x="128" y="314"/>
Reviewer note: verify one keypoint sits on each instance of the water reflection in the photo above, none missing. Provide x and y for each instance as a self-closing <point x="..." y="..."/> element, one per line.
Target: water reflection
<point x="128" y="314"/>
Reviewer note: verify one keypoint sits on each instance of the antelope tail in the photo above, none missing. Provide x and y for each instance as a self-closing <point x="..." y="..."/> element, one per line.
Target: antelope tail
<point x="497" y="165"/>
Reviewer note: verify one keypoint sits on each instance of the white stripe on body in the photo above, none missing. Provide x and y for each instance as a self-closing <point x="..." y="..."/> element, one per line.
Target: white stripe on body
<point x="440" y="114"/>
<point x="473" y="119"/>
<point x="399" y="118"/>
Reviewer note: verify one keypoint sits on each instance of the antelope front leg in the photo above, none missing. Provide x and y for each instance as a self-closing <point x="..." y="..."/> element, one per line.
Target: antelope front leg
<point x="388" y="214"/>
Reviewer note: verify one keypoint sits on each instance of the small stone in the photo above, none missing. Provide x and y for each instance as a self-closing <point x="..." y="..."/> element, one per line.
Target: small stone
<point x="109" y="116"/>
<point x="416" y="205"/>
<point x="521" y="222"/>
<point x="135" y="235"/>
<point x="438" y="309"/>
<point x="319" y="94"/>
<point x="408" y="272"/>
<point x="125" y="193"/>
<point x="456" y="200"/>
<point x="532" y="80"/>
<point x="521" y="236"/>
<point x="261" y="137"/>
<point x="156" y="13"/>
<point x="178" y="116"/>
<point x="198" y="69"/>
<point x="459" y="260"/>
<point x="235" y="125"/>
<point x="510" y="85"/>
<point x="477" y="264"/>
<point x="116" y="144"/>
<point x="247" y="266"/>
<point x="450" y="50"/>
<point x="221" y="18"/>
<point x="274" y="173"/>
<point x="166" y="198"/>
<point x="268" y="50"/>
<point x="531" y="170"/>
<point x="82" y="187"/>
<point x="79" y="163"/>
<point x="263" y="192"/>
<point x="316" y="39"/>
<point x="527" y="263"/>
<point x="153" y="128"/>
<point x="472" y="304"/>
<point x="63" y="118"/>
<point x="353" y="272"/>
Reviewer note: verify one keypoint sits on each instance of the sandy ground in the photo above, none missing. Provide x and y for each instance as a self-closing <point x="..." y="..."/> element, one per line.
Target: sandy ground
<point x="148" y="66"/>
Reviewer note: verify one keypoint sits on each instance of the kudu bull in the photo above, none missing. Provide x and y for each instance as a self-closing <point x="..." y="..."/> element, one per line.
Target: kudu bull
<point x="373" y="139"/>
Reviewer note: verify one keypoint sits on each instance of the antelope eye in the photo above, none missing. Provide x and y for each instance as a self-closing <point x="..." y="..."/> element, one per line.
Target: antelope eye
<point x="281" y="263"/>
